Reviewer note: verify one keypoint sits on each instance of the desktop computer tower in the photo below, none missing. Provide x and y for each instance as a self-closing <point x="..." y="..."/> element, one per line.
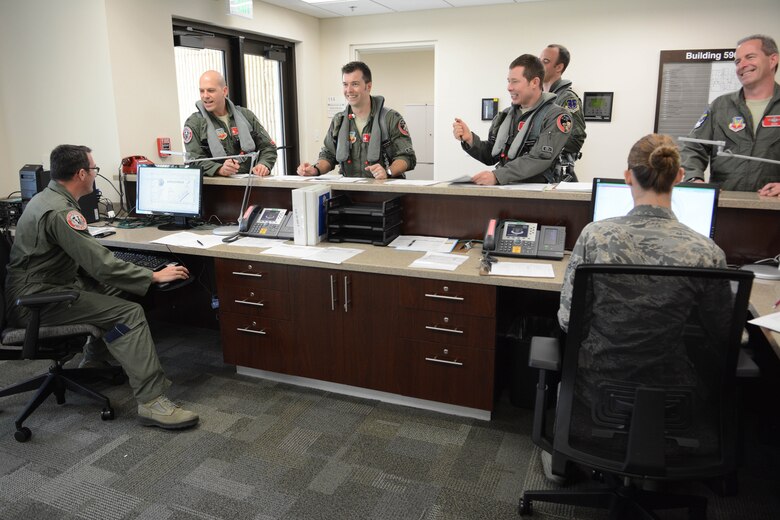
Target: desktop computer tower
<point x="89" y="206"/>
<point x="33" y="179"/>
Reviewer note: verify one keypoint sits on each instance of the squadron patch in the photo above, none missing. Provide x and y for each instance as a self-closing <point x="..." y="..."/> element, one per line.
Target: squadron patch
<point x="76" y="220"/>
<point x="352" y="138"/>
<point x="737" y="124"/>
<point x="366" y="138"/>
<point x="564" y="123"/>
<point x="702" y="119"/>
<point x="573" y="105"/>
<point x="221" y="134"/>
<point x="520" y="125"/>
<point x="187" y="134"/>
<point x="402" y="127"/>
<point x="770" y="122"/>
<point x="234" y="130"/>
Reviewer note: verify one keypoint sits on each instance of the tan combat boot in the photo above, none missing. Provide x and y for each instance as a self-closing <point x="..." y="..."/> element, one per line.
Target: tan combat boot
<point x="164" y="413"/>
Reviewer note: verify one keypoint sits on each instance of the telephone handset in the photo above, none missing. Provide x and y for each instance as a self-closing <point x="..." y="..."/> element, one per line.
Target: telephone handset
<point x="524" y="239"/>
<point x="130" y="164"/>
<point x="266" y="223"/>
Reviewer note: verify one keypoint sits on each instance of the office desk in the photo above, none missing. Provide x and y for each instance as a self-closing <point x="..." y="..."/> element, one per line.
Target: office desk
<point x="762" y="300"/>
<point x="371" y="326"/>
<point x="746" y="226"/>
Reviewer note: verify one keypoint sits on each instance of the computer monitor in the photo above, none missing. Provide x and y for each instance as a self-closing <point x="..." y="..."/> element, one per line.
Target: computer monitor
<point x="171" y="191"/>
<point x="694" y="204"/>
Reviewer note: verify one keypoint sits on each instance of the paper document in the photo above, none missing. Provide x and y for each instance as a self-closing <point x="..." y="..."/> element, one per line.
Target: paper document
<point x="412" y="182"/>
<point x="187" y="239"/>
<point x="290" y="178"/>
<point x="240" y="175"/>
<point x="100" y="231"/>
<point x="463" y="179"/>
<point x="331" y="255"/>
<point x="422" y="243"/>
<point x="770" y="321"/>
<point x="575" y="186"/>
<point x="522" y="269"/>
<point x="255" y="242"/>
<point x="528" y="186"/>
<point x="440" y="261"/>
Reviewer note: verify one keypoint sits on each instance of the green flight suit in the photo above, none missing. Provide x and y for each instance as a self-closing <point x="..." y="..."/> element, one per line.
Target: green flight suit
<point x="197" y="145"/>
<point x="53" y="251"/>
<point x="569" y="100"/>
<point x="728" y="119"/>
<point x="535" y="162"/>
<point x="400" y="144"/>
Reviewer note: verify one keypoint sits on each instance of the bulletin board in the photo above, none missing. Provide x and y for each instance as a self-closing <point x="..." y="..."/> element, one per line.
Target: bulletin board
<point x="688" y="81"/>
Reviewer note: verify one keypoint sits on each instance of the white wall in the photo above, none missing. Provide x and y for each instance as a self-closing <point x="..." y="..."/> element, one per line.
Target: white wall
<point x="100" y="72"/>
<point x="615" y="47"/>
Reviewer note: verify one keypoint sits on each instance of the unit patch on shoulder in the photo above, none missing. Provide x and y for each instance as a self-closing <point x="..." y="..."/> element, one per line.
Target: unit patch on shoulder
<point x="564" y="123"/>
<point x="771" y="122"/>
<point x="702" y="119"/>
<point x="221" y="134"/>
<point x="573" y="105"/>
<point x="187" y="134"/>
<point x="402" y="127"/>
<point x="76" y="220"/>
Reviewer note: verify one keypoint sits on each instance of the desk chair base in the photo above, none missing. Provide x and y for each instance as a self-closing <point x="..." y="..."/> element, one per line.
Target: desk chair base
<point x="621" y="501"/>
<point x="56" y="382"/>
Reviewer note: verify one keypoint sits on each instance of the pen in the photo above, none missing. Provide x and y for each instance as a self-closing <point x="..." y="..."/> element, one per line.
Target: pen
<point x="199" y="242"/>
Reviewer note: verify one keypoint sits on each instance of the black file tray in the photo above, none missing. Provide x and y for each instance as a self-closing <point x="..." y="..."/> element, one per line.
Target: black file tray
<point x="377" y="223"/>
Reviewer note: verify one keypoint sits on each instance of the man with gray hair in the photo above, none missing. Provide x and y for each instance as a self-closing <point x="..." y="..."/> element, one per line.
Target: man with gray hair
<point x="748" y="121"/>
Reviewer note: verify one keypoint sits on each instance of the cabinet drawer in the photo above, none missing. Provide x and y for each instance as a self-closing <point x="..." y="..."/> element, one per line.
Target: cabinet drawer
<point x="248" y="273"/>
<point x="453" y="328"/>
<point x="254" y="302"/>
<point x="447" y="373"/>
<point x="255" y="342"/>
<point x="442" y="296"/>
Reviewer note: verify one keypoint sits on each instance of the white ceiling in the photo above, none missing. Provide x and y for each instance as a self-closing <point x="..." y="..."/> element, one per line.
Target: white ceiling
<point x="337" y="8"/>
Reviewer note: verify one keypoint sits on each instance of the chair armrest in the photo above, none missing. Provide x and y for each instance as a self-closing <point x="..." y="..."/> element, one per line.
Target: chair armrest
<point x="545" y="354"/>
<point x="746" y="367"/>
<point x="39" y="300"/>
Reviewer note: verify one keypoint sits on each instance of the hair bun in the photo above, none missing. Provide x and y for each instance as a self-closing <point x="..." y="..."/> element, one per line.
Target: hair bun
<point x="665" y="159"/>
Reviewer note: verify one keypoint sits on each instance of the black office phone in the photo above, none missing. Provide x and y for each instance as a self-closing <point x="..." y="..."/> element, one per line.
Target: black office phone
<point x="266" y="223"/>
<point x="515" y="238"/>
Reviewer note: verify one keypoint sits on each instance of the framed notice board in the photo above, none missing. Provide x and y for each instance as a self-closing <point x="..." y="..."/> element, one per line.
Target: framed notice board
<point x="688" y="81"/>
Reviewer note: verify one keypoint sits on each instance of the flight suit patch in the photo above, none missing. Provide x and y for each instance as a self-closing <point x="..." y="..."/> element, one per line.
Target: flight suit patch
<point x="366" y="138"/>
<point x="221" y="134"/>
<point x="520" y="125"/>
<point x="234" y="130"/>
<point x="186" y="134"/>
<point x="564" y="123"/>
<point x="352" y="138"/>
<point x="771" y="122"/>
<point x="737" y="124"/>
<point x="76" y="220"/>
<point x="573" y="105"/>
<point x="402" y="127"/>
<point x="701" y="120"/>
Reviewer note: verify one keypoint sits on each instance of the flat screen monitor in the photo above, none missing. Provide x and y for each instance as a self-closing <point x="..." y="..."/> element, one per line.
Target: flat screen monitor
<point x="170" y="191"/>
<point x="694" y="204"/>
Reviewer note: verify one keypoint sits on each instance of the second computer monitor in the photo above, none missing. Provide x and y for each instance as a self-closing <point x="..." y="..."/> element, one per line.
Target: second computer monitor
<point x="170" y="191"/>
<point x="694" y="204"/>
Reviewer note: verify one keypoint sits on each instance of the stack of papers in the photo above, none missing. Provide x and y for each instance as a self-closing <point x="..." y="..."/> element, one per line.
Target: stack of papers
<point x="422" y="243"/>
<point x="522" y="269"/>
<point x="770" y="321"/>
<point x="440" y="261"/>
<point x="330" y="255"/>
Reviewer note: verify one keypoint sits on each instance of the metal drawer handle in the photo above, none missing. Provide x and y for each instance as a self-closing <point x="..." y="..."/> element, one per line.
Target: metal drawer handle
<point x="253" y="275"/>
<point x="247" y="302"/>
<point x="443" y="329"/>
<point x="442" y="297"/>
<point x="261" y="332"/>
<point x="444" y="361"/>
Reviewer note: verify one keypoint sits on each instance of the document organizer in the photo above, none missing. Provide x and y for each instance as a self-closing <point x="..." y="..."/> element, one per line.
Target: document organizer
<point x="376" y="223"/>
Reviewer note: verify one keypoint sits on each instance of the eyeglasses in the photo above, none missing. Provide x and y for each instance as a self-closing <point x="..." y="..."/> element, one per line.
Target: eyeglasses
<point x="96" y="168"/>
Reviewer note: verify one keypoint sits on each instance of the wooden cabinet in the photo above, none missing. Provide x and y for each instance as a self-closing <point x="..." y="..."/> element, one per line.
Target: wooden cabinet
<point x="254" y="314"/>
<point x="448" y="346"/>
<point x="414" y="337"/>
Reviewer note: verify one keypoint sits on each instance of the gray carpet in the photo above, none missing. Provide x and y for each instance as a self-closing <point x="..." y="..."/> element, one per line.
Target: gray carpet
<point x="266" y="450"/>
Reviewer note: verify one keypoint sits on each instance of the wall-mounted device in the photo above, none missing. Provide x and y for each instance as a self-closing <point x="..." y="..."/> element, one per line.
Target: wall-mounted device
<point x="489" y="108"/>
<point x="164" y="146"/>
<point x="597" y="106"/>
<point x="524" y="239"/>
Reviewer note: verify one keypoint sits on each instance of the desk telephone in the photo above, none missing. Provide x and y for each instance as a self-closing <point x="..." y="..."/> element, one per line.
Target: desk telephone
<point x="524" y="239"/>
<point x="266" y="223"/>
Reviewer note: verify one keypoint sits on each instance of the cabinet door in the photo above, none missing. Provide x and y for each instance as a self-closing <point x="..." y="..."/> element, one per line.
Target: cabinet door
<point x="256" y="342"/>
<point x="316" y="314"/>
<point x="370" y="331"/>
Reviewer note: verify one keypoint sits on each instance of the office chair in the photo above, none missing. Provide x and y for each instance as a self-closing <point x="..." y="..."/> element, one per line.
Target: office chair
<point x="647" y="386"/>
<point x="57" y="343"/>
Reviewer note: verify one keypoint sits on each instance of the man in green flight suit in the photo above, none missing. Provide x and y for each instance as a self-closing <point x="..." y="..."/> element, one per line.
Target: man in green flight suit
<point x="366" y="140"/>
<point x="555" y="59"/>
<point x="53" y="251"/>
<point x="747" y="121"/>
<point x="219" y="128"/>
<point x="524" y="140"/>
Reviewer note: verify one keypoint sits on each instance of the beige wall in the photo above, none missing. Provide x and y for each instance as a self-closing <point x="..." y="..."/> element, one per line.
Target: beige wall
<point x="100" y="72"/>
<point x="414" y="86"/>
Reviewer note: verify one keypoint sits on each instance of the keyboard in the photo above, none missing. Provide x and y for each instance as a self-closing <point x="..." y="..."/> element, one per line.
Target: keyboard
<point x="150" y="261"/>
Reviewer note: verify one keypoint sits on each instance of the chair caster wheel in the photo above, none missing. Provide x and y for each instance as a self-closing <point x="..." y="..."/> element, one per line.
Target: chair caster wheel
<point x="23" y="434"/>
<point x="524" y="507"/>
<point x="107" y="414"/>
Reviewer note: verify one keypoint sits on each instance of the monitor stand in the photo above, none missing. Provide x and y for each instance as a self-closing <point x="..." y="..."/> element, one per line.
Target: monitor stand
<point x="225" y="231"/>
<point x="178" y="224"/>
<point x="763" y="272"/>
